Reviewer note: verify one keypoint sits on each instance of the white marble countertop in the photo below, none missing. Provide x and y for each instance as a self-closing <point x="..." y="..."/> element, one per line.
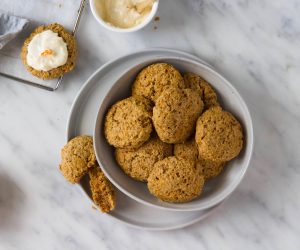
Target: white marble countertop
<point x="255" y="44"/>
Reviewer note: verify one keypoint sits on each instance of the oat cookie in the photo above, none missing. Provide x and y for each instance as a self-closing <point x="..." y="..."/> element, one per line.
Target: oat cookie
<point x="175" y="180"/>
<point x="188" y="150"/>
<point x="71" y="46"/>
<point x="77" y="157"/>
<point x="139" y="163"/>
<point x="154" y="79"/>
<point x="128" y="122"/>
<point x="175" y="114"/>
<point x="219" y="135"/>
<point x="103" y="192"/>
<point x="205" y="90"/>
<point x="210" y="169"/>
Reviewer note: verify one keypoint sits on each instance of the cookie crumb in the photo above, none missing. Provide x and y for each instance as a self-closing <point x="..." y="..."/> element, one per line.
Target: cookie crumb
<point x="157" y="18"/>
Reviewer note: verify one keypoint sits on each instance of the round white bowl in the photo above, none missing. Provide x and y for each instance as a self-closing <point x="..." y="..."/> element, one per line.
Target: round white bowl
<point x="217" y="189"/>
<point x="100" y="20"/>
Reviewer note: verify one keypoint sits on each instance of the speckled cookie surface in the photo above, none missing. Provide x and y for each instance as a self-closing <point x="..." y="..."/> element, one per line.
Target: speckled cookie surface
<point x="210" y="169"/>
<point x="175" y="114"/>
<point x="77" y="157"/>
<point x="154" y="79"/>
<point x="71" y="46"/>
<point x="140" y="162"/>
<point x="128" y="122"/>
<point x="175" y="180"/>
<point x="218" y="135"/>
<point x="103" y="192"/>
<point x="206" y="92"/>
<point x="188" y="150"/>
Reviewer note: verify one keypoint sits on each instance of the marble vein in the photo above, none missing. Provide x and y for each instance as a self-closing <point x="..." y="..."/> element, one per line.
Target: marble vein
<point x="254" y="44"/>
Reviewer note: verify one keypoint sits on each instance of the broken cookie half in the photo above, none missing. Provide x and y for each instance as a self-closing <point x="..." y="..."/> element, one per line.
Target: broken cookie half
<point x="78" y="159"/>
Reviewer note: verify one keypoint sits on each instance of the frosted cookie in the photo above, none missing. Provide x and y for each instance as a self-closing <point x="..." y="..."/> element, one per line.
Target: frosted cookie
<point x="103" y="192"/>
<point x="175" y="114"/>
<point x="77" y="157"/>
<point x="154" y="79"/>
<point x="219" y="135"/>
<point x="188" y="150"/>
<point x="49" y="52"/>
<point x="205" y="90"/>
<point x="128" y="122"/>
<point x="139" y="163"/>
<point x="175" y="180"/>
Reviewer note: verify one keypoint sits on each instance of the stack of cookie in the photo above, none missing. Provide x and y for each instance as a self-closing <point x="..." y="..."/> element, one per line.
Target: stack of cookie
<point x="172" y="133"/>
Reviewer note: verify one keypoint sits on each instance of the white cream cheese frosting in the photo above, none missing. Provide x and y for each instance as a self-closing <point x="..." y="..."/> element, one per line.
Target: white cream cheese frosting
<point x="47" y="51"/>
<point x="124" y="13"/>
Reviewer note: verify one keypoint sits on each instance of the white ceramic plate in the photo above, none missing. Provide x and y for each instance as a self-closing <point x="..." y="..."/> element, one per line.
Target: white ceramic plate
<point x="82" y="120"/>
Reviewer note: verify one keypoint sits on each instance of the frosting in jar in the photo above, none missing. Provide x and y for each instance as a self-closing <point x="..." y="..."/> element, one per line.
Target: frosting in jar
<point x="124" y="13"/>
